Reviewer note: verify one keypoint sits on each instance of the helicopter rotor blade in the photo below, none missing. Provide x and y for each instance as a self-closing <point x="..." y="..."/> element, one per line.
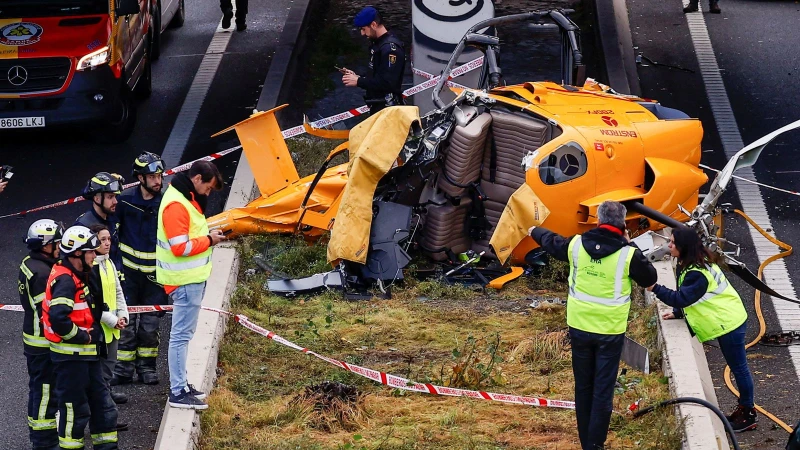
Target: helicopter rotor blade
<point x="750" y="278"/>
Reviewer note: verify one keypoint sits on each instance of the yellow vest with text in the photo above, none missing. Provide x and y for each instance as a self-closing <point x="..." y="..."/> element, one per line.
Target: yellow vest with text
<point x="174" y="270"/>
<point x="717" y="312"/>
<point x="599" y="297"/>
<point x="109" y="282"/>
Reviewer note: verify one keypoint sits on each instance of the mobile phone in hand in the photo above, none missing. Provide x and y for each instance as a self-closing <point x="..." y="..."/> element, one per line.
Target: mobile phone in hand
<point x="6" y="172"/>
<point x="341" y="69"/>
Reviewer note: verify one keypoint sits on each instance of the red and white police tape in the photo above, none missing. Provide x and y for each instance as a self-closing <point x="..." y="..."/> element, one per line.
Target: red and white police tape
<point x="431" y="82"/>
<point x="173" y="171"/>
<point x="384" y="378"/>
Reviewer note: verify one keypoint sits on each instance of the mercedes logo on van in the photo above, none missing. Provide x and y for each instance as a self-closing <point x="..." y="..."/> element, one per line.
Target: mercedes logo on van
<point x="17" y="75"/>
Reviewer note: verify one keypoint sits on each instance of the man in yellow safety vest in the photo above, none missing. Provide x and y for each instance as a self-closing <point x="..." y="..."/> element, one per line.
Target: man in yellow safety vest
<point x="183" y="264"/>
<point x="603" y="263"/>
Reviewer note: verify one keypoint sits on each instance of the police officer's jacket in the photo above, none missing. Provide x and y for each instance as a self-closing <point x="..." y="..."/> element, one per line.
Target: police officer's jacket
<point x="137" y="237"/>
<point x="90" y="218"/>
<point x="33" y="274"/>
<point x="387" y="61"/>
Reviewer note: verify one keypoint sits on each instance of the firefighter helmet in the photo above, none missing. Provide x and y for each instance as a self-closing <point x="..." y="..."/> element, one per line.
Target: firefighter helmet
<point x="147" y="163"/>
<point x="78" y="238"/>
<point x="43" y="232"/>
<point x="103" y="182"/>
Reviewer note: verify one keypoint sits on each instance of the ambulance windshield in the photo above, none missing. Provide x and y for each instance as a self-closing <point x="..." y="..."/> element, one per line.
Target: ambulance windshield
<point x="31" y="9"/>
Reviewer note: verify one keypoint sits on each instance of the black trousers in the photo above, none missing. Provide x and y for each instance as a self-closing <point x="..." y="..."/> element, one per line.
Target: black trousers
<point x="84" y="398"/>
<point x="42" y="405"/>
<point x="138" y="342"/>
<point x="241" y="7"/>
<point x="595" y="363"/>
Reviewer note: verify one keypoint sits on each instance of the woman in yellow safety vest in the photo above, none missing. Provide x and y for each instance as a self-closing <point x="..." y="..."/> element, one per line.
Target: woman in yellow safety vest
<point x="713" y="310"/>
<point x="105" y="279"/>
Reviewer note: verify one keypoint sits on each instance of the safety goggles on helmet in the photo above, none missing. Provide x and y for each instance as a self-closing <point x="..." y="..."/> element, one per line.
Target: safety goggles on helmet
<point x="43" y="232"/>
<point x="103" y="182"/>
<point x="78" y="238"/>
<point x="148" y="163"/>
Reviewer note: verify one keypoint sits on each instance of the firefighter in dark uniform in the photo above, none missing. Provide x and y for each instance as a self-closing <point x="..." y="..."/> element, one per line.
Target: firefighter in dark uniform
<point x="387" y="61"/>
<point x="42" y="240"/>
<point x="102" y="190"/>
<point x="71" y="322"/>
<point x="138" y="216"/>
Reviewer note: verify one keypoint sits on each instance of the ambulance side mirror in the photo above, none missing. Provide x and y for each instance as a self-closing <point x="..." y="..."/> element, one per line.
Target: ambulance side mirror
<point x="127" y="7"/>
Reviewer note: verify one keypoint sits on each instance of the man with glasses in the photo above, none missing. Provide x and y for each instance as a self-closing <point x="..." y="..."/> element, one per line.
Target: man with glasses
<point x="138" y="216"/>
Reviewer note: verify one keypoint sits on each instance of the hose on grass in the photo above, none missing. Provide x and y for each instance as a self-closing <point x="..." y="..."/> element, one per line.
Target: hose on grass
<point x="673" y="401"/>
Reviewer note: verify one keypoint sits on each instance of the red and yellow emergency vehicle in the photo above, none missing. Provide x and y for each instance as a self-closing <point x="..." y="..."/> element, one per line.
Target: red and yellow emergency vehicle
<point x="78" y="61"/>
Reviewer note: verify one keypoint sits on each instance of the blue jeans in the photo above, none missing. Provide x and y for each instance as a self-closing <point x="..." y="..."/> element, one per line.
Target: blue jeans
<point x="186" y="302"/>
<point x="732" y="346"/>
<point x="595" y="363"/>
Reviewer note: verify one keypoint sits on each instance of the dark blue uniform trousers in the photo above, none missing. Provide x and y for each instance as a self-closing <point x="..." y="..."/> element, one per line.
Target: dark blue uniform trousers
<point x="84" y="398"/>
<point x="42" y="404"/>
<point x="595" y="363"/>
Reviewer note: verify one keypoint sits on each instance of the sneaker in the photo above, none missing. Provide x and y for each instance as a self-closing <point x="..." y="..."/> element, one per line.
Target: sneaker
<point x="119" y="398"/>
<point x="148" y="378"/>
<point x="693" y="7"/>
<point x="743" y="419"/>
<point x="197" y="394"/>
<point x="241" y="25"/>
<point x="227" y="15"/>
<point x="185" y="400"/>
<point x="116" y="380"/>
<point x="121" y="427"/>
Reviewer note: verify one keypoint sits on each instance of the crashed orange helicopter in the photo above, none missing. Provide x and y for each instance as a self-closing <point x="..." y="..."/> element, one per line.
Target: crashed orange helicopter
<point x="473" y="175"/>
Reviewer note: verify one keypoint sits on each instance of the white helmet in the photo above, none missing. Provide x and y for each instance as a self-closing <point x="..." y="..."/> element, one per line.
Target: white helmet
<point x="78" y="238"/>
<point x="43" y="232"/>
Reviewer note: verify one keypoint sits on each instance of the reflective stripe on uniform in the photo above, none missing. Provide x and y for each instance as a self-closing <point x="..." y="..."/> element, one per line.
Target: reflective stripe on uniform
<point x="69" y="349"/>
<point x="67" y="441"/>
<point x="141" y="255"/>
<point x="622" y="263"/>
<point x="104" y="438"/>
<point x="72" y="333"/>
<point x="80" y="306"/>
<point x="147" y="352"/>
<point x="188" y="249"/>
<point x="184" y="266"/>
<point x="41" y="425"/>
<point x="177" y="240"/>
<point x="132" y="265"/>
<point x="62" y="301"/>
<point x="43" y="403"/>
<point x="164" y="245"/>
<point x="38" y="298"/>
<point x="722" y="284"/>
<point x="35" y="341"/>
<point x="24" y="268"/>
<point x="126" y="355"/>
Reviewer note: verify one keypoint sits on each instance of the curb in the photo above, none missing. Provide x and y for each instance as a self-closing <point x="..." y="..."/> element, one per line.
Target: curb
<point x="613" y="31"/>
<point x="688" y="372"/>
<point x="180" y="428"/>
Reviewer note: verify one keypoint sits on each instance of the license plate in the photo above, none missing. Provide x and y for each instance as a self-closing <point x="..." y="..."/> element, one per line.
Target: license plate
<point x="22" y="122"/>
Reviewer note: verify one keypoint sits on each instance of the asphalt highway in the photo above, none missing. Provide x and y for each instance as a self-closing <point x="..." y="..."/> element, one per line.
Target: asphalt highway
<point x="53" y="165"/>
<point x="756" y="44"/>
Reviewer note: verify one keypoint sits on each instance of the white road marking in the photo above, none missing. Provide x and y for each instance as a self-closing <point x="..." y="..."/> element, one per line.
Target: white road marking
<point x="775" y="275"/>
<point x="184" y="123"/>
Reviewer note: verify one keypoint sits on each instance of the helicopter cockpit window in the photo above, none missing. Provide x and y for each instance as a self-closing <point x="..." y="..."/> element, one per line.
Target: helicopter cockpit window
<point x="564" y="164"/>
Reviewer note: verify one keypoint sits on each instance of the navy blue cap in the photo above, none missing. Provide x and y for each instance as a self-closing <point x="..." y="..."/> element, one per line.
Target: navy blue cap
<point x="365" y="16"/>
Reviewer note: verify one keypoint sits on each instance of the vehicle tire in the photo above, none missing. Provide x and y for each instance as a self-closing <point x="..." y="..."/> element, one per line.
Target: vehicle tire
<point x="144" y="87"/>
<point x="120" y="128"/>
<point x="180" y="16"/>
<point x="155" y="33"/>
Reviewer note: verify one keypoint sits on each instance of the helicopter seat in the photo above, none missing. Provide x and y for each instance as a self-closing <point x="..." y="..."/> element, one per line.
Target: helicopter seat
<point x="513" y="135"/>
<point x="462" y="160"/>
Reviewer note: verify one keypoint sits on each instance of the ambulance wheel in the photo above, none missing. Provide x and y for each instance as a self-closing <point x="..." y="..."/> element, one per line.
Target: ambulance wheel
<point x="180" y="16"/>
<point x="120" y="128"/>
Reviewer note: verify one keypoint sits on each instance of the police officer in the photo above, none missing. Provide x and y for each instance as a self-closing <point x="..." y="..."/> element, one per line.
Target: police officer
<point x="138" y="216"/>
<point x="71" y="322"/>
<point x="102" y="190"/>
<point x="42" y="241"/>
<point x="387" y="61"/>
<point x="602" y="264"/>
